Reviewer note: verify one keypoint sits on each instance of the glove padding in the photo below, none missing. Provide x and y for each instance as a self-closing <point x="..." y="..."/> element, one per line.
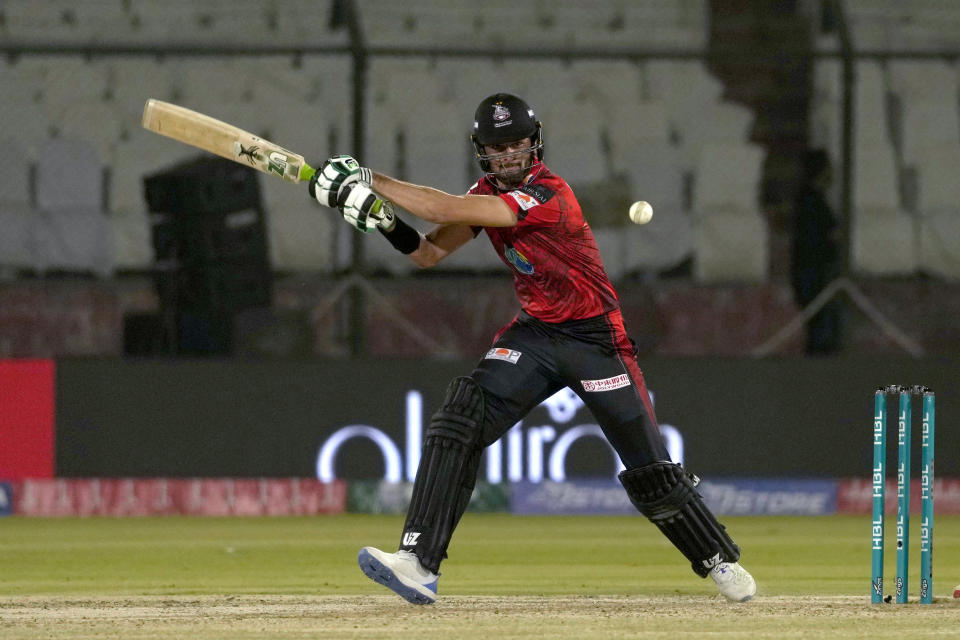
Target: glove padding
<point x="363" y="209"/>
<point x="337" y="172"/>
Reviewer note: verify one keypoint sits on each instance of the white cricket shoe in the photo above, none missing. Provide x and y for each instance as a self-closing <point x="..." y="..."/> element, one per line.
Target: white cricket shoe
<point x="400" y="572"/>
<point x="735" y="582"/>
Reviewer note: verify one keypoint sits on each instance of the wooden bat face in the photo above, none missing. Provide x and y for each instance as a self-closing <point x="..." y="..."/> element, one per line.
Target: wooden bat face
<point x="225" y="140"/>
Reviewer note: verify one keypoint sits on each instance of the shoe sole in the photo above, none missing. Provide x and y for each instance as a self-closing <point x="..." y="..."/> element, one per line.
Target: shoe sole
<point x="741" y="599"/>
<point x="382" y="574"/>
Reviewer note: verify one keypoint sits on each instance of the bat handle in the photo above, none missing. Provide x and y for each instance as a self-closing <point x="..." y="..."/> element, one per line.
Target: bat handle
<point x="306" y="172"/>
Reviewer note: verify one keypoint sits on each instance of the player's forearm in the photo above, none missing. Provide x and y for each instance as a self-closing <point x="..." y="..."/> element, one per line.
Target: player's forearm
<point x="426" y="203"/>
<point x="427" y="254"/>
<point x="434" y="205"/>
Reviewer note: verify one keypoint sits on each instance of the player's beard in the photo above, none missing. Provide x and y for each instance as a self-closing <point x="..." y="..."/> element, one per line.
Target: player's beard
<point x="514" y="174"/>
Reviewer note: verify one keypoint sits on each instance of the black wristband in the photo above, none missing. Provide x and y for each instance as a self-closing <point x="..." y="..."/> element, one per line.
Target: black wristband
<point x="403" y="237"/>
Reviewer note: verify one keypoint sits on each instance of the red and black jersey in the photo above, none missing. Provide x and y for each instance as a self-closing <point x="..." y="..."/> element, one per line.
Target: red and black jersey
<point x="557" y="271"/>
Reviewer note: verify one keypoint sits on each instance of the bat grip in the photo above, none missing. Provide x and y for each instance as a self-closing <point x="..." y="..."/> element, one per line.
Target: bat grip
<point x="306" y="172"/>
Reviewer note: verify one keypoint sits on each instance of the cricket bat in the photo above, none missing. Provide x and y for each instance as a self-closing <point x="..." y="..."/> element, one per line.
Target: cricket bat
<point x="225" y="140"/>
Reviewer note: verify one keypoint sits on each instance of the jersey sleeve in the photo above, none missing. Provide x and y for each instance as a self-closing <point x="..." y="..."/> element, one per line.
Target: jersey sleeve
<point x="533" y="204"/>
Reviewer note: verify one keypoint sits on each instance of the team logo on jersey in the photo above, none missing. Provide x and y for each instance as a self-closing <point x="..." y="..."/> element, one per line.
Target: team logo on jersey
<point x="607" y="384"/>
<point x="501" y="353"/>
<point x="518" y="260"/>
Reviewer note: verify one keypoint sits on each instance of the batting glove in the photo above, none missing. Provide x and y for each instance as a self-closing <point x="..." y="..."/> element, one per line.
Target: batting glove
<point x="337" y="172"/>
<point x="363" y="209"/>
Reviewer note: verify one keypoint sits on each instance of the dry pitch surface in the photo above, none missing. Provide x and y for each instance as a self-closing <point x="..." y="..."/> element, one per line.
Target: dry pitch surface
<point x="241" y="617"/>
<point x="508" y="577"/>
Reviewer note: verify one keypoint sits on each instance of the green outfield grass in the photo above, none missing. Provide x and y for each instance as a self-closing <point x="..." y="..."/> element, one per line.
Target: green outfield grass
<point x="588" y="572"/>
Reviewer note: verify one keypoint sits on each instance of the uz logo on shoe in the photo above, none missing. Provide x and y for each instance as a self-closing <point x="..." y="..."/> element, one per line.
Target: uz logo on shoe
<point x="410" y="539"/>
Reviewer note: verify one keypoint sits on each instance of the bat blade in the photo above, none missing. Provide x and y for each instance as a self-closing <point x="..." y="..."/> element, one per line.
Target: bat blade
<point x="225" y="140"/>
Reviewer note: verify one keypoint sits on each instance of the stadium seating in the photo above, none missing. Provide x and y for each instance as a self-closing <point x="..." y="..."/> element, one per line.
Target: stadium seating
<point x="648" y="122"/>
<point x="919" y="25"/>
<point x="939" y="250"/>
<point x="906" y="138"/>
<point x="938" y="211"/>
<point x="129" y="220"/>
<point x="16" y="221"/>
<point x="71" y="232"/>
<point x="730" y="234"/>
<point x="883" y="241"/>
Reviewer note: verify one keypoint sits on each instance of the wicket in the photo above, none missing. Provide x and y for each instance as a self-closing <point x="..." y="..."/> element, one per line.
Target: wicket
<point x="904" y="437"/>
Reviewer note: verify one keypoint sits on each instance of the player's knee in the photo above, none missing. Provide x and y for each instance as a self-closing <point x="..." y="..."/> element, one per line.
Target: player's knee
<point x="460" y="417"/>
<point x="667" y="495"/>
<point x="659" y="490"/>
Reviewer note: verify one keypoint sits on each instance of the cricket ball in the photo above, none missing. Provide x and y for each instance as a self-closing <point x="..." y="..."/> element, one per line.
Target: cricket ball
<point x="641" y="212"/>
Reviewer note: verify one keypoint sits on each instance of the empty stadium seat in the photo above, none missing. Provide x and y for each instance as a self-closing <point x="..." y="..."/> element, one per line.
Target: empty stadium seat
<point x="825" y="113"/>
<point x="669" y="23"/>
<point x="661" y="244"/>
<point x="939" y="250"/>
<point x="927" y="124"/>
<point x="923" y="79"/>
<point x="131" y="241"/>
<point x="919" y="25"/>
<point x="436" y="148"/>
<point x="222" y="22"/>
<point x="633" y="128"/>
<point x="299" y="231"/>
<point x="876" y="178"/>
<point x="17" y="239"/>
<point x="883" y="241"/>
<point x="75" y="240"/>
<point x="21" y="109"/>
<point x="870" y="102"/>
<point x="610" y="242"/>
<point x="15" y="178"/>
<point x="142" y="154"/>
<point x="614" y="84"/>
<point x="730" y="245"/>
<point x="685" y="86"/>
<point x="206" y="84"/>
<point x="130" y="81"/>
<point x="938" y="187"/>
<point x="307" y="23"/>
<point x="426" y="23"/>
<point x="467" y="81"/>
<point x="688" y="91"/>
<point x="71" y="177"/>
<point x="728" y="177"/>
<point x="72" y="232"/>
<point x="64" y="21"/>
<point x="655" y="174"/>
<point x="16" y="214"/>
<point x="723" y="122"/>
<point x="576" y="148"/>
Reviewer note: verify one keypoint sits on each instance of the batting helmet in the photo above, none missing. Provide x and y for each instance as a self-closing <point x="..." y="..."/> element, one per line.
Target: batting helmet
<point x="501" y="118"/>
